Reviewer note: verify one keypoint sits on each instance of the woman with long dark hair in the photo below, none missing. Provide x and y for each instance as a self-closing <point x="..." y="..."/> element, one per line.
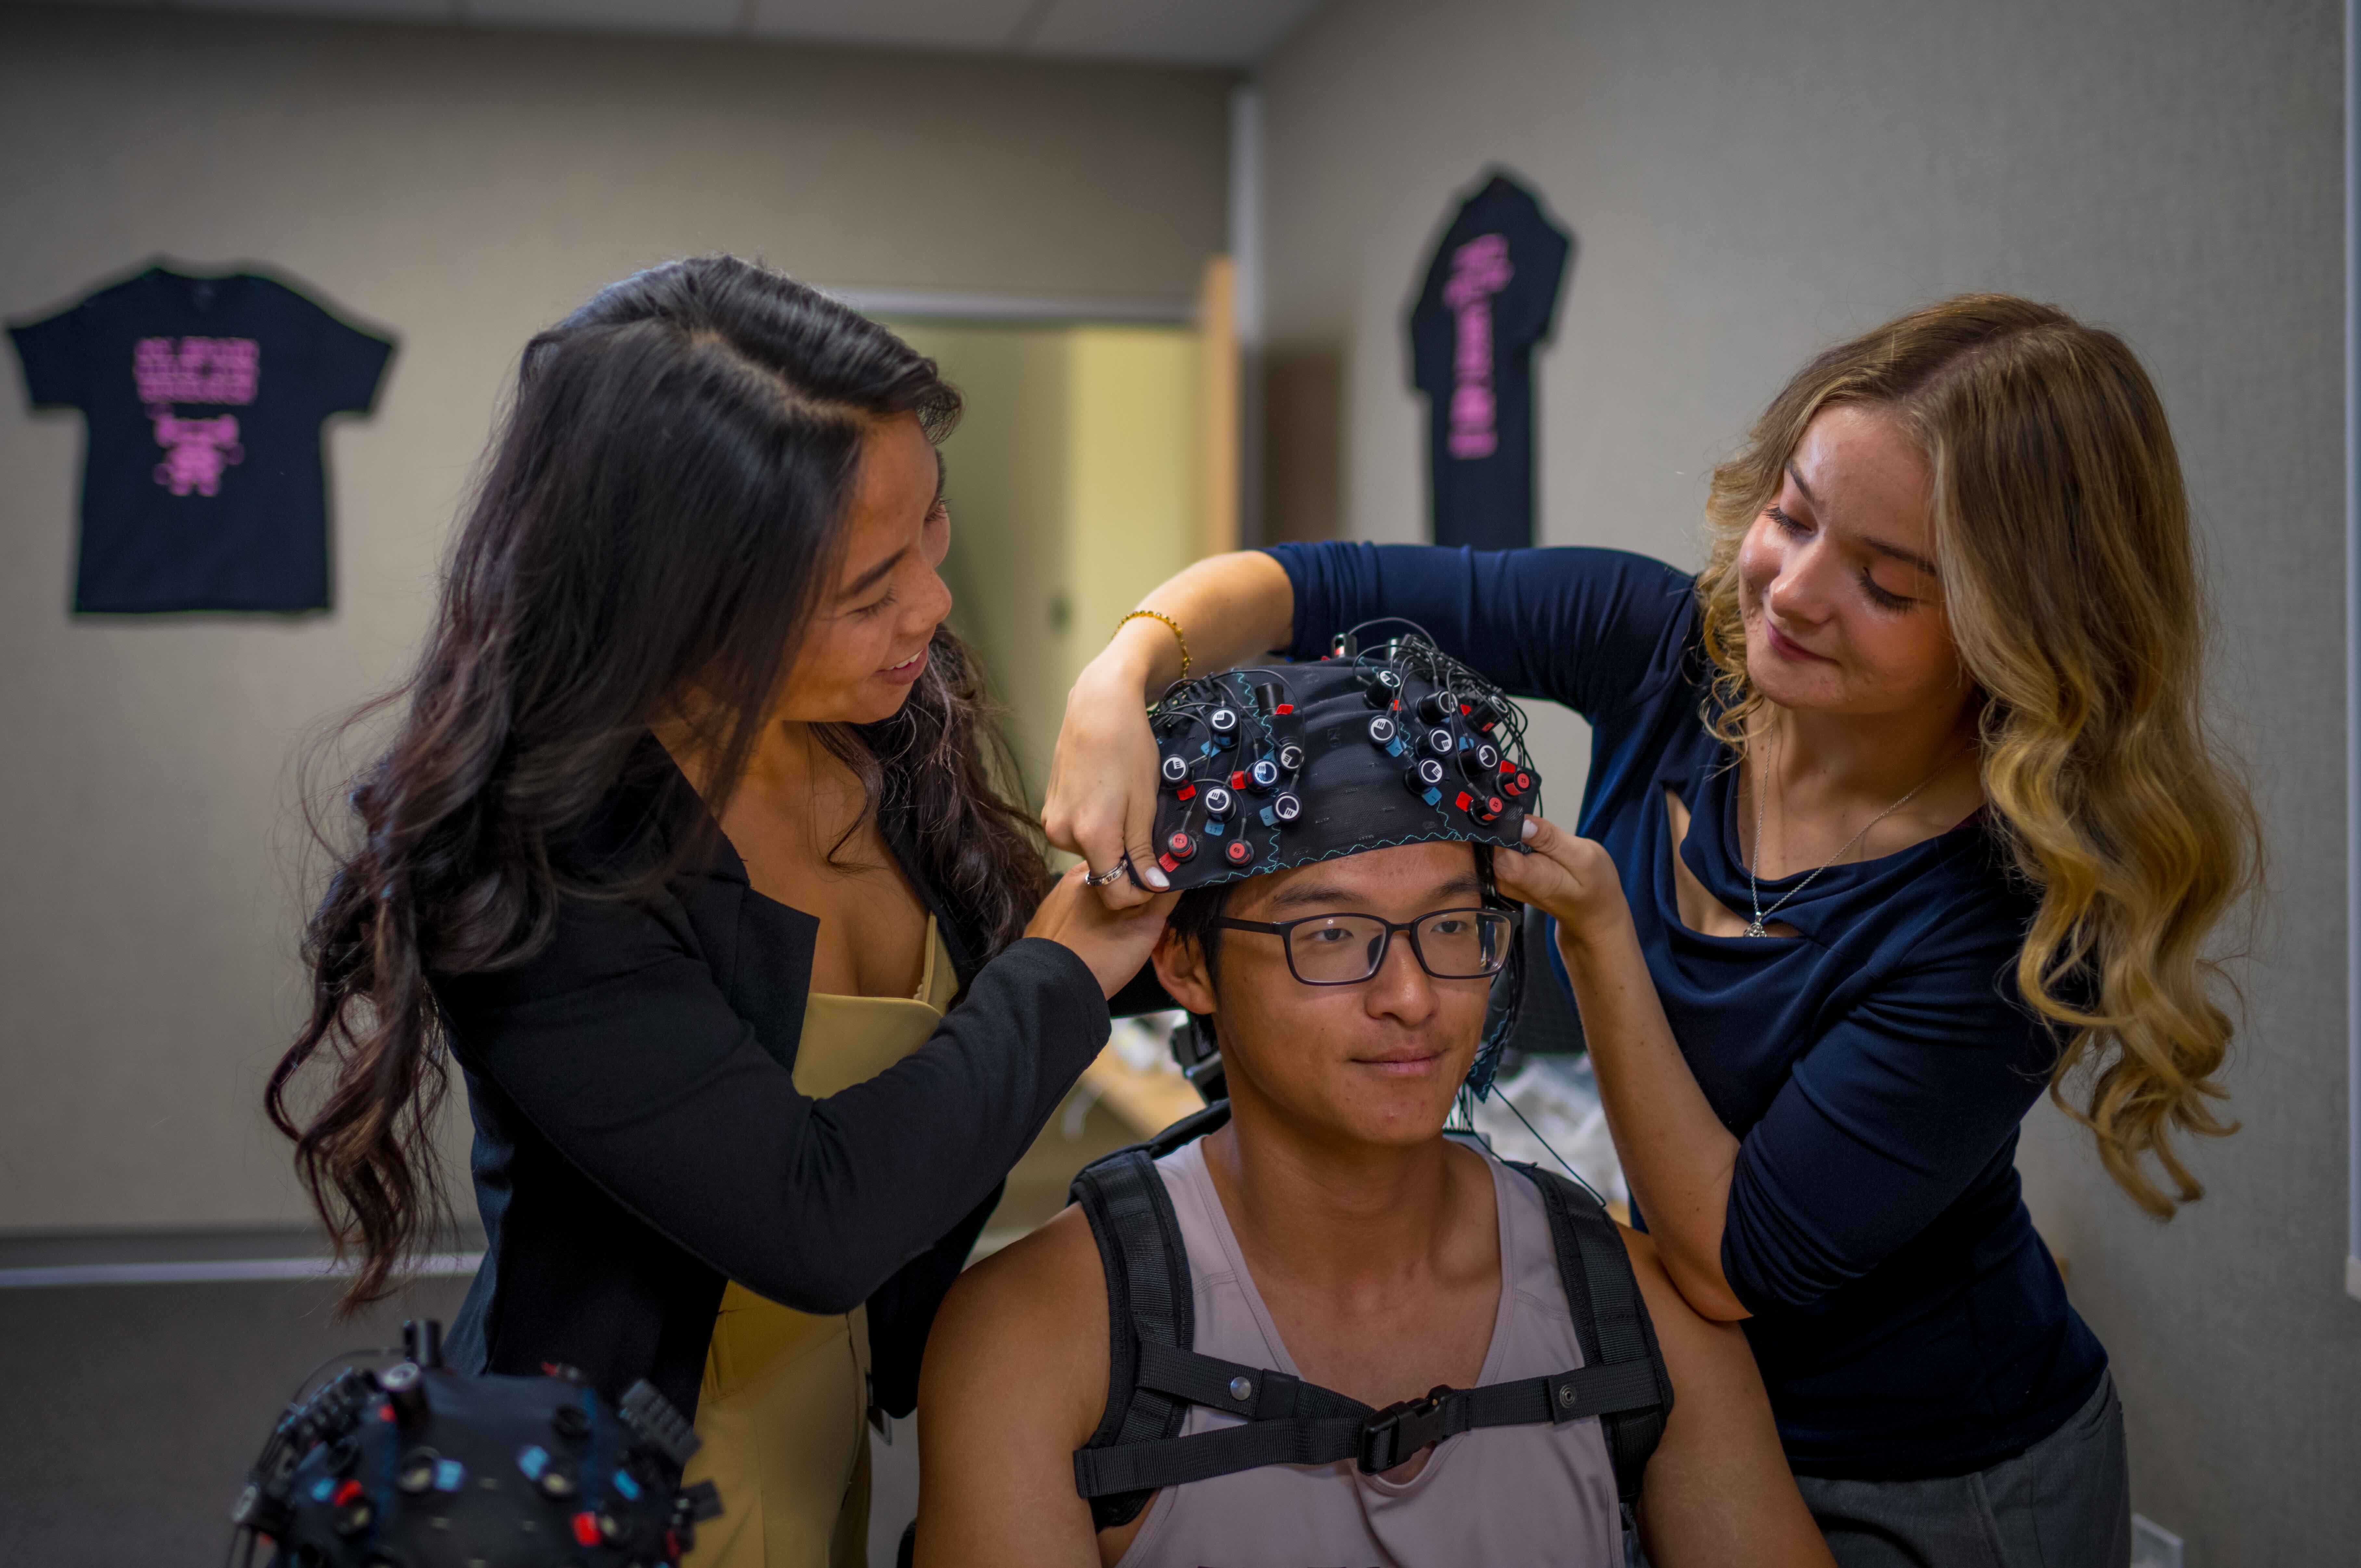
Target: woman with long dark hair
<point x="689" y="847"/>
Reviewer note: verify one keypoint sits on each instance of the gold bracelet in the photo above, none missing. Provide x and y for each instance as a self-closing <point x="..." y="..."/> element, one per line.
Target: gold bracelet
<point x="1159" y="615"/>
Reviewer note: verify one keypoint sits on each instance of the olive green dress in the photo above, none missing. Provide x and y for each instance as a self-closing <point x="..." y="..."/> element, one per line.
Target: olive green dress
<point x="784" y="1406"/>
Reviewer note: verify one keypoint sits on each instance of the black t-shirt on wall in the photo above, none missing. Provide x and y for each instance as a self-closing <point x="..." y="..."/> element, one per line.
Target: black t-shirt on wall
<point x="1489" y="299"/>
<point x="203" y="483"/>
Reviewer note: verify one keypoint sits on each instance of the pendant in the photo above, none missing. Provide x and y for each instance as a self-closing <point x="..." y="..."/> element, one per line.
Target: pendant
<point x="1754" y="928"/>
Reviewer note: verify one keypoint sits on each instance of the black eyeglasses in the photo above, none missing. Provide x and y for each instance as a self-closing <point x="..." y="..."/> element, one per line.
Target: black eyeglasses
<point x="1346" y="950"/>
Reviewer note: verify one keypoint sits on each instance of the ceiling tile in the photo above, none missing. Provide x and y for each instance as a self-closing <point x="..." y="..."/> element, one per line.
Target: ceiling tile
<point x="692" y="16"/>
<point x="917" y="24"/>
<point x="1218" y="32"/>
<point x="404" y="10"/>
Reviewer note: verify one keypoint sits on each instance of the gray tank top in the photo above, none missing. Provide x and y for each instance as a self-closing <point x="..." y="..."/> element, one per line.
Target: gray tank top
<point x="1503" y="1497"/>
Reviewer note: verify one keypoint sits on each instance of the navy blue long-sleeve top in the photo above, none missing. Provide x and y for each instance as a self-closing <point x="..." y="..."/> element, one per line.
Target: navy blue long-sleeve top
<point x="1907" y="1320"/>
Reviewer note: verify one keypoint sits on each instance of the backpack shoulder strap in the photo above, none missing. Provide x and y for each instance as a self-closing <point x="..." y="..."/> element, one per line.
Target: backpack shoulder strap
<point x="1214" y="1117"/>
<point x="1155" y="1373"/>
<point x="1610" y="1318"/>
<point x="1150" y="1300"/>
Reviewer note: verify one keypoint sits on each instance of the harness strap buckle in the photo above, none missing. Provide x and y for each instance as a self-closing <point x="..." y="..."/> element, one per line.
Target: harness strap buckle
<point x="1400" y="1430"/>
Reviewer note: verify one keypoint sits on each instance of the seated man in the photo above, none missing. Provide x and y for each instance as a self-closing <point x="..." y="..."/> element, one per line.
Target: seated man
<point x="1287" y="1279"/>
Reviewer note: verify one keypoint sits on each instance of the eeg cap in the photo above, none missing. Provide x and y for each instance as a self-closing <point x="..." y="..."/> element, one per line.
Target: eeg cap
<point x="1264" y="768"/>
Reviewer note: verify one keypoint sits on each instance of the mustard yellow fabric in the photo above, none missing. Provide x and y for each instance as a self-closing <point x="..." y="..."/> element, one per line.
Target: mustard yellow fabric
<point x="784" y="1402"/>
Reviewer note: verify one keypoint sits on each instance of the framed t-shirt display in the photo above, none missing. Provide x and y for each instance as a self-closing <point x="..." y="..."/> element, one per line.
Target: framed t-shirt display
<point x="202" y="486"/>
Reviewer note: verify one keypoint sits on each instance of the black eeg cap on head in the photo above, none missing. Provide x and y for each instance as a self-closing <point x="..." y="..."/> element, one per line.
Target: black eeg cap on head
<point x="1268" y="767"/>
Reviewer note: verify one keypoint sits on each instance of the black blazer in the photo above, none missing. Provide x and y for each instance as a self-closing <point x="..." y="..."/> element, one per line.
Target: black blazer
<point x="639" y="1139"/>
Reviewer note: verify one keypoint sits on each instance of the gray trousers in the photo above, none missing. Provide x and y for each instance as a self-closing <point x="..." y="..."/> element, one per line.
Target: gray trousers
<point x="2063" y="1503"/>
<point x="2066" y="1502"/>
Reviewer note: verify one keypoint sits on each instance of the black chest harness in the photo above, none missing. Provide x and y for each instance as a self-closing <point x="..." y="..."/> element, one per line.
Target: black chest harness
<point x="1156" y="1374"/>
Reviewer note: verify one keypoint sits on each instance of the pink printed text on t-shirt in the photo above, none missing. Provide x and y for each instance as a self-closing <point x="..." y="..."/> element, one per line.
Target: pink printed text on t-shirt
<point x="1479" y="269"/>
<point x="196" y="369"/>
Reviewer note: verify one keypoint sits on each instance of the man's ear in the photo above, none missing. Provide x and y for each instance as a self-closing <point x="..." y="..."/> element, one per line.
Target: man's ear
<point x="1181" y="966"/>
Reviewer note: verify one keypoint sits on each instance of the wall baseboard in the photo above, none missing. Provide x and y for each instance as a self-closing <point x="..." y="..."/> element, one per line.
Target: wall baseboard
<point x="198" y="1255"/>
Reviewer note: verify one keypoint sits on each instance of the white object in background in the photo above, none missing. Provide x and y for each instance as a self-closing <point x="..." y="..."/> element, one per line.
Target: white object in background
<point x="2153" y="1546"/>
<point x="1145" y="1044"/>
<point x="1559" y="1097"/>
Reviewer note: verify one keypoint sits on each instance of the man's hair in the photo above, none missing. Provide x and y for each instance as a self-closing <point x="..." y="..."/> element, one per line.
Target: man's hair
<point x="1193" y="919"/>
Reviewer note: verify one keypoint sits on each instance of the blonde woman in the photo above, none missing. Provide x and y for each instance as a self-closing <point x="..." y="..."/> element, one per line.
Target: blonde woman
<point x="1901" y="808"/>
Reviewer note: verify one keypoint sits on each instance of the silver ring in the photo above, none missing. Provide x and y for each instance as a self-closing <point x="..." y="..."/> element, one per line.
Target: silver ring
<point x="1099" y="879"/>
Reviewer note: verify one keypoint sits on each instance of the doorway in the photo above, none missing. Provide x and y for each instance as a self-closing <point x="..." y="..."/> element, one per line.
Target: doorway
<point x="1078" y="479"/>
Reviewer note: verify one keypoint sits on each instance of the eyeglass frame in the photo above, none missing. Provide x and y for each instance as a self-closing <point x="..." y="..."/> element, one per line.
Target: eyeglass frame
<point x="1284" y="930"/>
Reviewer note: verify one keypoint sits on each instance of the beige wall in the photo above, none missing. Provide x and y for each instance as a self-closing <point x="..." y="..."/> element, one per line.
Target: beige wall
<point x="1749" y="180"/>
<point x="460" y="189"/>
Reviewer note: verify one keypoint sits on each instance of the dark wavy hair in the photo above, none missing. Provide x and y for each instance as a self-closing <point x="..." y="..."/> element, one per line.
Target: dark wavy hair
<point x="660" y="512"/>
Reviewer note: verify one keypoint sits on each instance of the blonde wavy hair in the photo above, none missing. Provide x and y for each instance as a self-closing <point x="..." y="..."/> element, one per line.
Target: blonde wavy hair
<point x="2069" y="574"/>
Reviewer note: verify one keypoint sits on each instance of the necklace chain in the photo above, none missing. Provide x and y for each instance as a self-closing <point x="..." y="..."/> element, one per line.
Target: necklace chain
<point x="1754" y="894"/>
